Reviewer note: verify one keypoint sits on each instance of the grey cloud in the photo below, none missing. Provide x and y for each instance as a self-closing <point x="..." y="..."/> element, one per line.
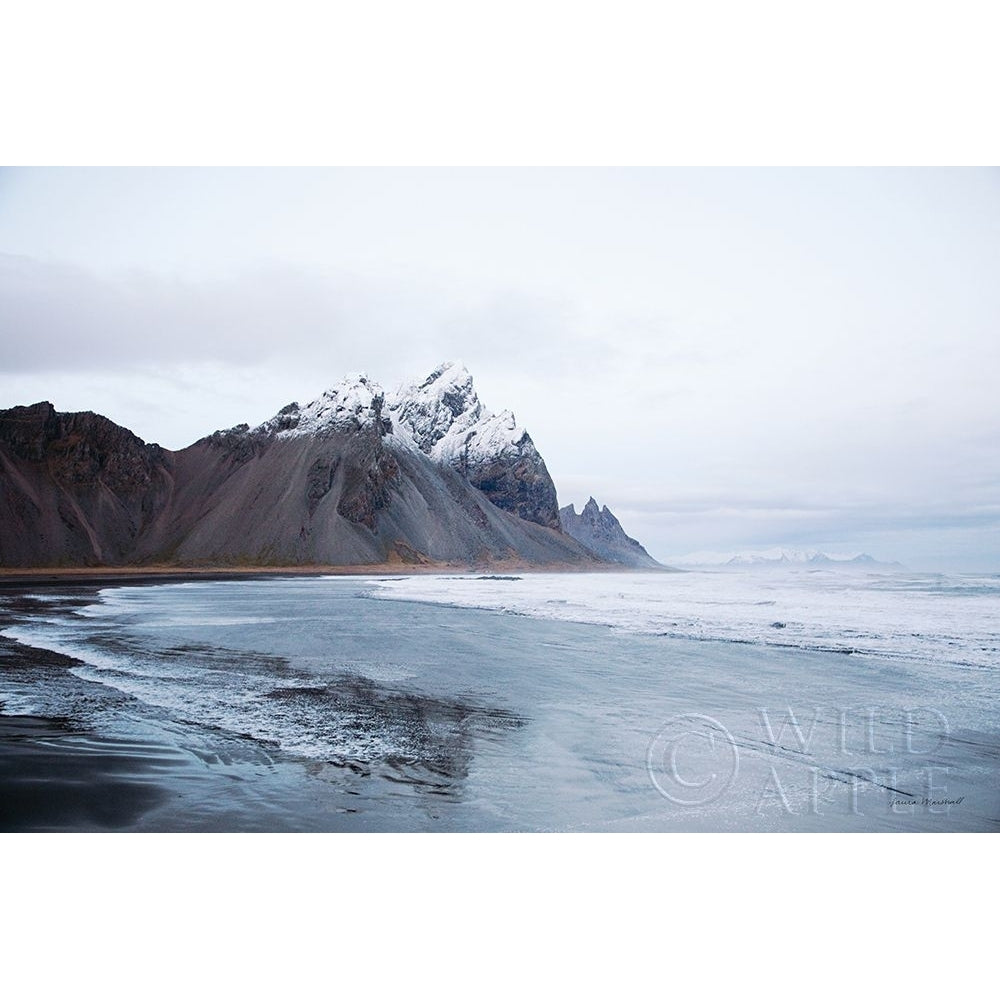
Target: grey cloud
<point x="55" y="317"/>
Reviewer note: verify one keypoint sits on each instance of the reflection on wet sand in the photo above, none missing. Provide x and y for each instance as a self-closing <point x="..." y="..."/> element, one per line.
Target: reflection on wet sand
<point x="186" y="736"/>
<point x="53" y="777"/>
<point x="433" y="738"/>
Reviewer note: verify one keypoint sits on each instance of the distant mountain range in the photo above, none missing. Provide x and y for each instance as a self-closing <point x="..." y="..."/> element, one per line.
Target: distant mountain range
<point x="356" y="477"/>
<point x="777" y="558"/>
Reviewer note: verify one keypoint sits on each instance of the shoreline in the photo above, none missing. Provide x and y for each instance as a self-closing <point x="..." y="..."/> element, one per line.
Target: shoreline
<point x="68" y="772"/>
<point x="57" y="775"/>
<point x="22" y="577"/>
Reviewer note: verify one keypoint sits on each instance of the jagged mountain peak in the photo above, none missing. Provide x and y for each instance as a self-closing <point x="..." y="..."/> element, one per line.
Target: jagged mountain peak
<point x="441" y="417"/>
<point x="444" y="418"/>
<point x="354" y="403"/>
<point x="449" y="373"/>
<point x="601" y="532"/>
<point x="593" y="513"/>
<point x="444" y="405"/>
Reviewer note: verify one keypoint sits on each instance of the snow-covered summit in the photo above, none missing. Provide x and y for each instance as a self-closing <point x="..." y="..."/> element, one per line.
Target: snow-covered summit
<point x="447" y="420"/>
<point x="446" y="401"/>
<point x="354" y="403"/>
<point x="440" y="417"/>
<point x="444" y="418"/>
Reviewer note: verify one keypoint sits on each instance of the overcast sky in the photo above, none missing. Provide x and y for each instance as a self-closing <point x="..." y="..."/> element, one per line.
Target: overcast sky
<point x="729" y="359"/>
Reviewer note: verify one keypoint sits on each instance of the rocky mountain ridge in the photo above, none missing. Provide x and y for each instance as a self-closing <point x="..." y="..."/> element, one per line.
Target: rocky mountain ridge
<point x="358" y="476"/>
<point x="444" y="418"/>
<point x="75" y="486"/>
<point x="600" y="531"/>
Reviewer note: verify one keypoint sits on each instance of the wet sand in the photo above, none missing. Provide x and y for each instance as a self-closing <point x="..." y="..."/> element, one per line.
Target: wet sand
<point x="59" y="775"/>
<point x="27" y="579"/>
<point x="363" y="715"/>
<point x="54" y="777"/>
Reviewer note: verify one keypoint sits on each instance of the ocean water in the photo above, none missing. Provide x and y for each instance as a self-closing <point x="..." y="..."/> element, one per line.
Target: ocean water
<point x="698" y="701"/>
<point x="930" y="617"/>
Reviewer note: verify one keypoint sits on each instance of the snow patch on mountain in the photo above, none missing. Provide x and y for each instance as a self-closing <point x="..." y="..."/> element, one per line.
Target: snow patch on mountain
<point x="355" y="403"/>
<point x="447" y="421"/>
<point x="440" y="418"/>
<point x="444" y="418"/>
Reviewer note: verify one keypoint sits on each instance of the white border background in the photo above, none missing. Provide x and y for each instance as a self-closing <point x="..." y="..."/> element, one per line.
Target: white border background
<point x="490" y="83"/>
<point x="513" y="83"/>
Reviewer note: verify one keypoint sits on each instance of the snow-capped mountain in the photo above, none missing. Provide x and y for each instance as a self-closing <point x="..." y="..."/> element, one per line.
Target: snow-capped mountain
<point x="353" y="477"/>
<point x="441" y="417"/>
<point x="776" y="558"/>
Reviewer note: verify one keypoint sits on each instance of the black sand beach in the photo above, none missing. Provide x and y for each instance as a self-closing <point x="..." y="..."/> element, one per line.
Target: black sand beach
<point x="54" y="777"/>
<point x="147" y="771"/>
<point x="295" y="704"/>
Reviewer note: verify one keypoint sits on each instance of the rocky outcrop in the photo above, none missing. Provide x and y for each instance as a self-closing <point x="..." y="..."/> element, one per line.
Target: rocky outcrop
<point x="444" y="417"/>
<point x="599" y="530"/>
<point x="75" y="488"/>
